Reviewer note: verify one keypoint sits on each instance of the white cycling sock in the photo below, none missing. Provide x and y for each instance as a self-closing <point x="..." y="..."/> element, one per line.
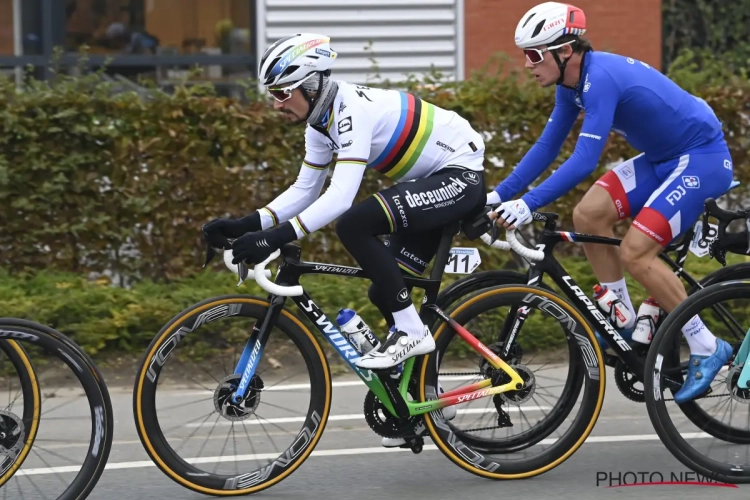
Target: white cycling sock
<point x="408" y="321"/>
<point x="701" y="341"/>
<point x="620" y="288"/>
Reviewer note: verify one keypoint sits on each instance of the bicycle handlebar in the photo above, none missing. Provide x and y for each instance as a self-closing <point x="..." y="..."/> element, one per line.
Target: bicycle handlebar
<point x="512" y="242"/>
<point x="261" y="275"/>
<point x="520" y="249"/>
<point x="501" y="245"/>
<point x="265" y="284"/>
<point x="725" y="216"/>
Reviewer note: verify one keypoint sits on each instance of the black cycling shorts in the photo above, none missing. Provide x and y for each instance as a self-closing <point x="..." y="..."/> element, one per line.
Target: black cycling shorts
<point x="419" y="210"/>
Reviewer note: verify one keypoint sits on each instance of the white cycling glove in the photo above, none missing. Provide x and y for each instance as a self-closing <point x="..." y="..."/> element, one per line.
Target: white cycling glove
<point x="493" y="198"/>
<point x="515" y="212"/>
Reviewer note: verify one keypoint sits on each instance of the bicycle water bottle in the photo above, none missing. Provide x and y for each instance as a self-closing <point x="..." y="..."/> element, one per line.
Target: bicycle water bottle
<point x="648" y="316"/>
<point x="356" y="331"/>
<point x="606" y="298"/>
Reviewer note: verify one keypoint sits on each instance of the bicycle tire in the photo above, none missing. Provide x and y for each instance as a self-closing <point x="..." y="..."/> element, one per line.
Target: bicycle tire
<point x="29" y="383"/>
<point x="472" y="283"/>
<point x="147" y="425"/>
<point x="469" y="286"/>
<point x="692" y="410"/>
<point x="94" y="387"/>
<point x="453" y="447"/>
<point x="657" y="412"/>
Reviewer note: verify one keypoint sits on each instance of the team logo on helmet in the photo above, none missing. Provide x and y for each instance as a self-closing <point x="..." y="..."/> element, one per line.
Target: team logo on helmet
<point x="294" y="53"/>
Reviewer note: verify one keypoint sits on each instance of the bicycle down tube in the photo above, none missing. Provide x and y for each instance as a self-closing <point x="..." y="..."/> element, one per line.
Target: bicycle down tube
<point x="549" y="265"/>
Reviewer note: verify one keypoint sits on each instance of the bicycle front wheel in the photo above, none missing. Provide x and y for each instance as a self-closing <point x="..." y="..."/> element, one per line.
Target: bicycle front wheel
<point x="183" y="413"/>
<point x="532" y="452"/>
<point x="711" y="447"/>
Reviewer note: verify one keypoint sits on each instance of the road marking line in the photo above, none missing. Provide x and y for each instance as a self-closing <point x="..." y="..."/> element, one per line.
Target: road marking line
<point x="334" y="453"/>
<point x="354" y="416"/>
<point x="341" y="383"/>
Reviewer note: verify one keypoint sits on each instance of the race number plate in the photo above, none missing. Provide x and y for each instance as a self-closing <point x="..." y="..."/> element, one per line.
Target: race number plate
<point x="699" y="246"/>
<point x="463" y="260"/>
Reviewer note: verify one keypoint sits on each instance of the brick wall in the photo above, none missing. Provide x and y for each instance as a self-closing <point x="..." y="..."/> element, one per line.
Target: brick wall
<point x="627" y="27"/>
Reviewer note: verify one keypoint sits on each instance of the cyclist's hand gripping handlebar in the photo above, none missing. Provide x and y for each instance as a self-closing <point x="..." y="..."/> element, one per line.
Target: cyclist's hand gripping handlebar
<point x="260" y="273"/>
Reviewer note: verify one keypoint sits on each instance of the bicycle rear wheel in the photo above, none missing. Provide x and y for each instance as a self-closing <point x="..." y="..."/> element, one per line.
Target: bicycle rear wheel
<point x="664" y="361"/>
<point x="38" y="355"/>
<point x="499" y="458"/>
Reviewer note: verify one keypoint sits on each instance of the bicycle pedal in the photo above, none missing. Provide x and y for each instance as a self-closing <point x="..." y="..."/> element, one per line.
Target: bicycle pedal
<point x="416" y="445"/>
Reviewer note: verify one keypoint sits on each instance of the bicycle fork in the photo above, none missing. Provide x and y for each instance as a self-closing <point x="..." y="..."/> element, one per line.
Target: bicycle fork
<point x="254" y="347"/>
<point x="742" y="357"/>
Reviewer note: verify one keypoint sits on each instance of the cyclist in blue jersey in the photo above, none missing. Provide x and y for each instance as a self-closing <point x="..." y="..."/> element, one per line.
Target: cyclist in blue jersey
<point x="684" y="160"/>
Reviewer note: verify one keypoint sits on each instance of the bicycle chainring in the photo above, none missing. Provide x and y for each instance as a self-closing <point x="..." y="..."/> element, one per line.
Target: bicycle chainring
<point x="626" y="382"/>
<point x="739" y="395"/>
<point x="245" y="408"/>
<point x="383" y="423"/>
<point x="12" y="439"/>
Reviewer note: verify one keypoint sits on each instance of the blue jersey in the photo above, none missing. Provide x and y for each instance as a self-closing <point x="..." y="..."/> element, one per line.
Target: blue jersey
<point x="628" y="97"/>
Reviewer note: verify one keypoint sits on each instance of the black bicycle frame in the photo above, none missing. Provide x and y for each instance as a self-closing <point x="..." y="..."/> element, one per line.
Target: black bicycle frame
<point x="549" y="265"/>
<point x="291" y="269"/>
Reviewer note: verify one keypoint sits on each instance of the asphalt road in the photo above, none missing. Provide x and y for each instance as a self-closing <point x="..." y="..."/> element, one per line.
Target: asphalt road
<point x="349" y="460"/>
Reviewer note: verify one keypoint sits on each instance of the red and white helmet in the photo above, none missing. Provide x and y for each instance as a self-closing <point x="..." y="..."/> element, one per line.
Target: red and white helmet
<point x="547" y="22"/>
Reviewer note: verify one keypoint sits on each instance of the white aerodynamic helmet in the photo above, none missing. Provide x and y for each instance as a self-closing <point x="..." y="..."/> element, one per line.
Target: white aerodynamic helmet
<point x="547" y="22"/>
<point x="294" y="57"/>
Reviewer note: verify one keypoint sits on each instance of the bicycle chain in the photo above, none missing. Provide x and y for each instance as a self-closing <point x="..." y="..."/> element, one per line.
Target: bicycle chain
<point x="482" y="429"/>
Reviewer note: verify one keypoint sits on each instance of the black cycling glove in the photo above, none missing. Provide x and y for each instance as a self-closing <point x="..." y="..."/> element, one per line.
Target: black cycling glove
<point x="219" y="231"/>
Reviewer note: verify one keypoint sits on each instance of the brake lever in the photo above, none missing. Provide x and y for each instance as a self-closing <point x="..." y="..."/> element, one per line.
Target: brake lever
<point x="494" y="232"/>
<point x="717" y="253"/>
<point x="242" y="272"/>
<point x="210" y="254"/>
<point x="704" y="229"/>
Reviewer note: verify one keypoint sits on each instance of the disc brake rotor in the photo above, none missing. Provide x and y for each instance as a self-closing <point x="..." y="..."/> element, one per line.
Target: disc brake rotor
<point x="12" y="438"/>
<point x="739" y="395"/>
<point x="245" y="408"/>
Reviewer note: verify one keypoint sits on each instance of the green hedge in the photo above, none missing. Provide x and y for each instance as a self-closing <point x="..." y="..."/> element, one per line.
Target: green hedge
<point x="101" y="182"/>
<point x="718" y="28"/>
<point x="98" y="184"/>
<point x="107" y="320"/>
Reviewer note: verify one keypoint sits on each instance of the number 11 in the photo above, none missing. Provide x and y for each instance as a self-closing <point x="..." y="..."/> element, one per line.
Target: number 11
<point x="454" y="258"/>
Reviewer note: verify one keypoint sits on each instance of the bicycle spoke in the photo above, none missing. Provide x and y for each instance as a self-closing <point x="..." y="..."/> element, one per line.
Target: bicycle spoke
<point x="269" y="434"/>
<point x="183" y="405"/>
<point x="224" y="447"/>
<point x="205" y="441"/>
